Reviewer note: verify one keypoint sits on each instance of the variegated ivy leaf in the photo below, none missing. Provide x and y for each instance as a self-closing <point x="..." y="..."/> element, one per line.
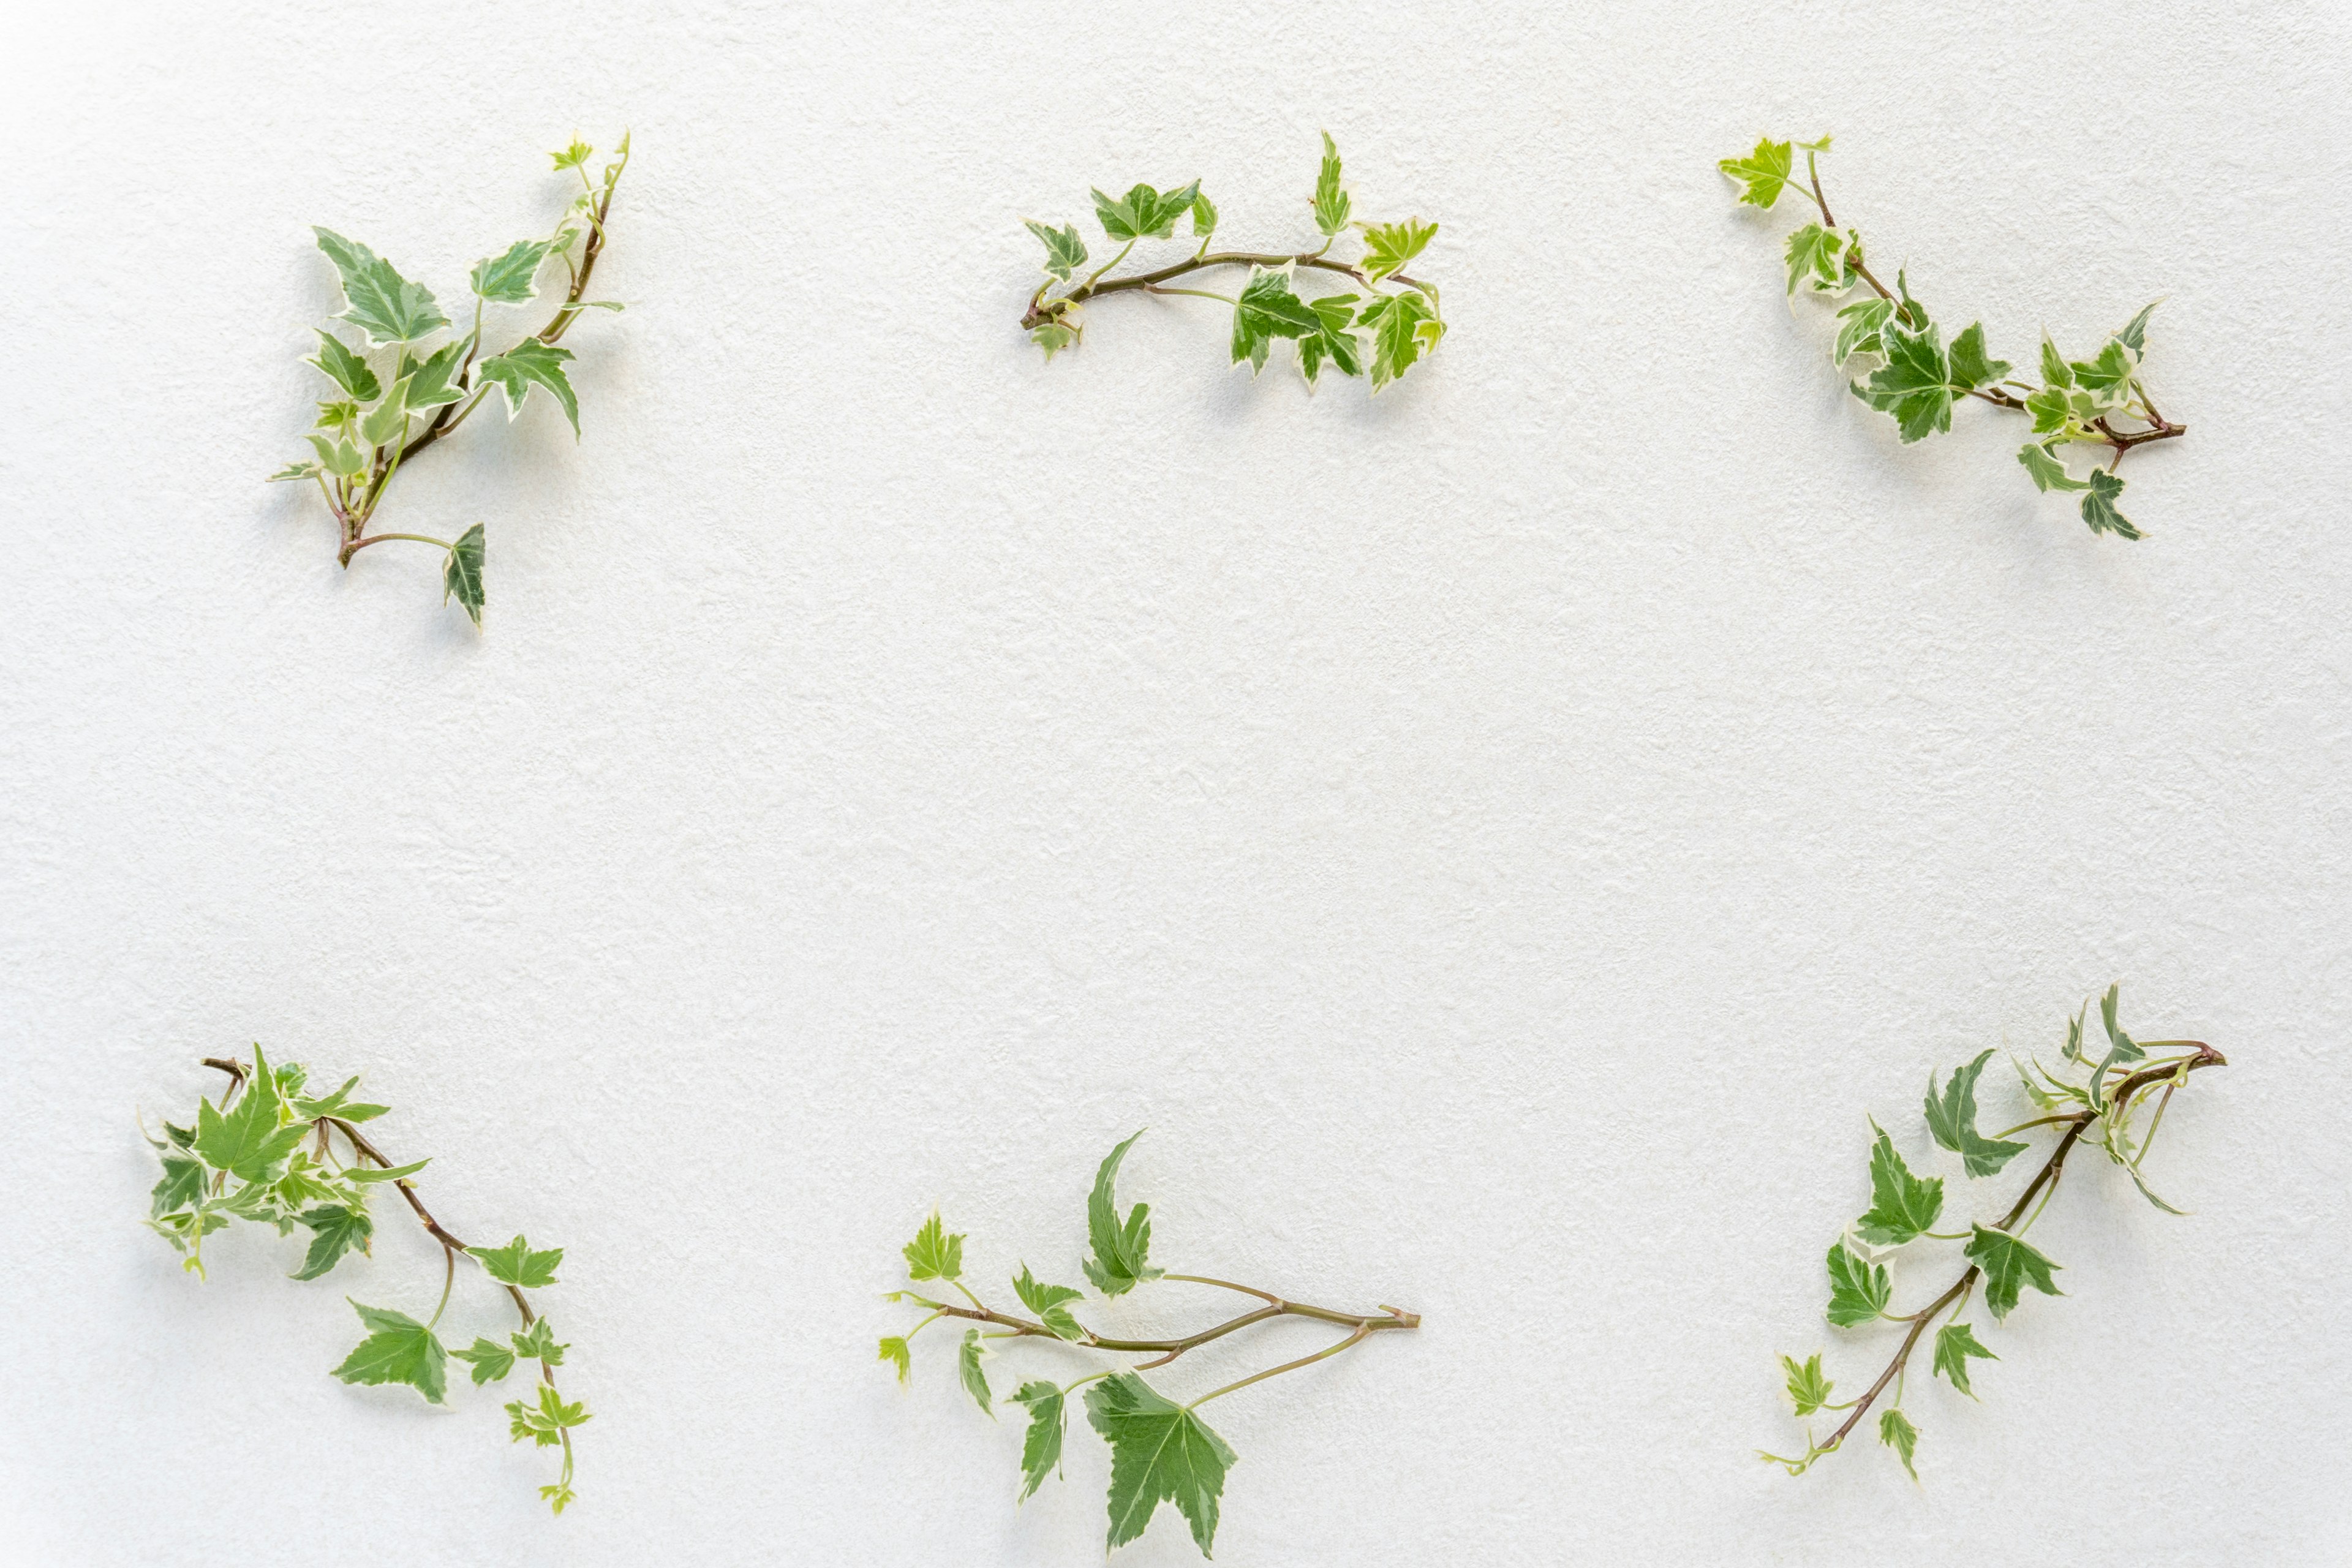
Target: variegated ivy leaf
<point x="574" y="156"/>
<point x="1894" y="1430"/>
<point x="1334" y="341"/>
<point x="2041" y="463"/>
<point x="1952" y="1121"/>
<point x="1762" y="175"/>
<point x="2099" y="506"/>
<point x="1053" y="337"/>
<point x="490" y="1361"/>
<point x="532" y="361"/>
<point x="1144" y="213"/>
<point x="398" y="1348"/>
<point x="1121" y="1249"/>
<point x="1971" y="366"/>
<point x="1808" y="1388"/>
<point x="895" y="1351"/>
<point x="344" y="368"/>
<point x="968" y="1368"/>
<point x="934" y="1254"/>
<point x="2107" y="376"/>
<point x="512" y="278"/>
<point x="1331" y="203"/>
<point x="297" y="471"/>
<point x="2135" y="336"/>
<point x="338" y="457"/>
<point x="1048" y="1301"/>
<point x="1404" y="328"/>
<point x="1859" y="1290"/>
<point x="182" y="1184"/>
<point x="1065" y="251"/>
<point x="1858" y="326"/>
<point x="335" y="1230"/>
<point x="517" y="1264"/>
<point x="377" y="299"/>
<point x="1204" y="218"/>
<point x="1914" y="385"/>
<point x="1041" y="1446"/>
<point x="461" y="577"/>
<point x="1955" y="1343"/>
<point x="340" y="415"/>
<point x="2008" y="1266"/>
<point x="429" y="383"/>
<point x="1267" y="309"/>
<point x="1389" y="246"/>
<point x="2052" y="408"/>
<point x="1903" y="1206"/>
<point x="387" y="421"/>
<point x="1818" y="258"/>
<point x="1160" y="1451"/>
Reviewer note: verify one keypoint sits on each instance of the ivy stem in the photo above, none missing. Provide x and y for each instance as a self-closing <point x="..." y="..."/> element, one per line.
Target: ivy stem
<point x="1165" y="1351"/>
<point x="356" y="545"/>
<point x="2047" y="1177"/>
<point x="1042" y="309"/>
<point x="1362" y="1331"/>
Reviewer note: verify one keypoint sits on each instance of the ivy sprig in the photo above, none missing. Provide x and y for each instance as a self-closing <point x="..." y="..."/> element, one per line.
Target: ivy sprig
<point x="1161" y="1450"/>
<point x="399" y="396"/>
<point x="2085" y="1104"/>
<point x="2101" y="401"/>
<point x="1386" y="328"/>
<point x="267" y="1151"/>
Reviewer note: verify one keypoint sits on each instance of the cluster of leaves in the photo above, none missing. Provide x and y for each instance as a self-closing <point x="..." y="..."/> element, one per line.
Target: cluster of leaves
<point x="1161" y="1451"/>
<point x="1921" y="376"/>
<point x="2083" y="1098"/>
<point x="1384" y="329"/>
<point x="405" y="382"/>
<point x="268" y="1152"/>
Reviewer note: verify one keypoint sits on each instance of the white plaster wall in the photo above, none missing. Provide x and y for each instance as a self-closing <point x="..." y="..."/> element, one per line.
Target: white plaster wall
<point x="1502" y="838"/>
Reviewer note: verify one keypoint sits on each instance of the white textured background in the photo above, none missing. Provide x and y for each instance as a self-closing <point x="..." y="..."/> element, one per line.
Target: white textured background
<point x="1503" y="838"/>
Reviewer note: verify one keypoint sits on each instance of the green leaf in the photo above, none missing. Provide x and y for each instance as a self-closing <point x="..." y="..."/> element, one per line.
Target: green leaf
<point x="574" y="156"/>
<point x="1806" y="1387"/>
<point x="387" y="422"/>
<point x="544" y="1422"/>
<point x="1121" y="1249"/>
<point x="1331" y="203"/>
<point x="511" y="278"/>
<point x="340" y="415"/>
<point x="1911" y="313"/>
<point x="1902" y="1205"/>
<point x="2107" y="376"/>
<point x="1041" y="1446"/>
<point x="975" y="1381"/>
<point x="340" y="457"/>
<point x="338" y="1105"/>
<point x="2121" y="1047"/>
<point x="517" y="1264"/>
<point x="1334" y="341"/>
<point x="335" y="1230"/>
<point x="1160" y="1451"/>
<point x="182" y="1184"/>
<point x="2055" y="371"/>
<point x="934" y="1254"/>
<point x="1858" y="326"/>
<point x="1144" y="213"/>
<point x="1763" y="174"/>
<point x="2052" y="409"/>
<point x="1952" y="1119"/>
<point x="1955" y="1343"/>
<point x="1817" y="258"/>
<point x="344" y="368"/>
<point x="1053" y="337"/>
<point x="530" y="361"/>
<point x="539" y="1340"/>
<point x="2048" y="473"/>
<point x="555" y="1494"/>
<point x="1065" y="251"/>
<point x="1204" y="216"/>
<point x="489" y="1360"/>
<point x="1914" y="385"/>
<point x="461" y="577"/>
<point x="1896" y="1432"/>
<point x="1045" y="1300"/>
<point x="895" y="1350"/>
<point x="1389" y="246"/>
<point x="2135" y="336"/>
<point x="376" y="299"/>
<point x="370" y="1175"/>
<point x="2008" y="1265"/>
<point x="2099" y="506"/>
<point x="247" y="1142"/>
<point x="1268" y="309"/>
<point x="398" y="1348"/>
<point x="429" y="382"/>
<point x="1971" y="366"/>
<point x="1404" y="327"/>
<point x="1858" y="1290"/>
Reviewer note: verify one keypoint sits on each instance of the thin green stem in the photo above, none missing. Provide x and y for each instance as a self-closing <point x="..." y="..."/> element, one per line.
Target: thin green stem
<point x="1224" y="1285"/>
<point x="1196" y="293"/>
<point x="1349" y="1342"/>
<point x="448" y="1277"/>
<point x="1093" y="278"/>
<point x="2038" y="1121"/>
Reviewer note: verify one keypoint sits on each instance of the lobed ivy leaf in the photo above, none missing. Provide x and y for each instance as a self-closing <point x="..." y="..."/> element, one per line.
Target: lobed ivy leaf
<point x="2056" y="374"/>
<point x="545" y="1421"/>
<point x="1053" y="337"/>
<point x="1404" y="327"/>
<point x="538" y="1341"/>
<point x="1121" y="1250"/>
<point x="398" y="1348"/>
<point x="1818" y="258"/>
<point x="182" y="1184"/>
<point x="1065" y="251"/>
<point x="1914" y="385"/>
<point x="461" y="577"/>
<point x="1952" y="1119"/>
<point x="2047" y="472"/>
<point x="335" y="1230"/>
<point x="2134" y="335"/>
<point x="934" y="1254"/>
<point x="1971" y="366"/>
<point x="2008" y="1266"/>
<point x="339" y="457"/>
<point x="490" y="1361"/>
<point x="247" y="1142"/>
<point x="1144" y="213"/>
<point x="1389" y="246"/>
<point x="345" y="368"/>
<point x="387" y="422"/>
<point x="1204" y="216"/>
<point x="1160" y="1451"/>
<point x="376" y="299"/>
<point x="1268" y="309"/>
<point x="1858" y="328"/>
<point x="1858" y="1288"/>
<point x="2121" y="1047"/>
<point x="529" y="361"/>
<point x="574" y="156"/>
<point x="428" y="379"/>
<point x="1762" y="175"/>
<point x="968" y="1368"/>
<point x="1955" y="1343"/>
<point x="1041" y="1446"/>
<point x="1331" y="203"/>
<point x="517" y="1264"/>
<point x="512" y="278"/>
<point x="1894" y="1430"/>
<point x="1902" y="1205"/>
<point x="338" y="1105"/>
<point x="1045" y="1300"/>
<point x="1806" y="1387"/>
<point x="896" y="1351"/>
<point x="1335" y="338"/>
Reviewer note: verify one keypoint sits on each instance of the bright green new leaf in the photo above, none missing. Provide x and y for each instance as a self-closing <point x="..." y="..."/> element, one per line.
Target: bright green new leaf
<point x="335" y="1230"/>
<point x="490" y="1361"/>
<point x="1204" y="216"/>
<point x="1267" y="310"/>
<point x="896" y="1351"/>
<point x="367" y="1174"/>
<point x="1389" y="246"/>
<point x="512" y="279"/>
<point x="574" y="156"/>
<point x="1144" y="213"/>
<point x="1065" y="251"/>
<point x="2047" y="472"/>
<point x="968" y="1368"/>
<point x="1331" y="203"/>
<point x="1053" y="337"/>
<point x="1763" y="174"/>
<point x="1817" y="258"/>
<point x="2099" y="506"/>
<point x="1914" y="385"/>
<point x="2008" y="1266"/>
<point x="340" y="415"/>
<point x="517" y="1264"/>
<point x="1955" y="1343"/>
<point x="1858" y="1290"/>
<point x="461" y="577"/>
<point x="338" y="1105"/>
<point x="1858" y="326"/>
<point x="1160" y="1451"/>
<point x="530" y="361"/>
<point x="247" y="1142"/>
<point x="344" y="368"/>
<point x="934" y="1254"/>
<point x="1121" y="1257"/>
<point x="1404" y="327"/>
<point x="1806" y="1387"/>
<point x="1041" y="1446"/>
<point x="398" y="1348"/>
<point x="182" y="1184"/>
<point x="1896" y="1432"/>
<point x="1902" y="1205"/>
<point x="1971" y="366"/>
<point x="1045" y="1300"/>
<point x="377" y="299"/>
<point x="544" y="1422"/>
<point x="539" y="1340"/>
<point x="1952" y="1119"/>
